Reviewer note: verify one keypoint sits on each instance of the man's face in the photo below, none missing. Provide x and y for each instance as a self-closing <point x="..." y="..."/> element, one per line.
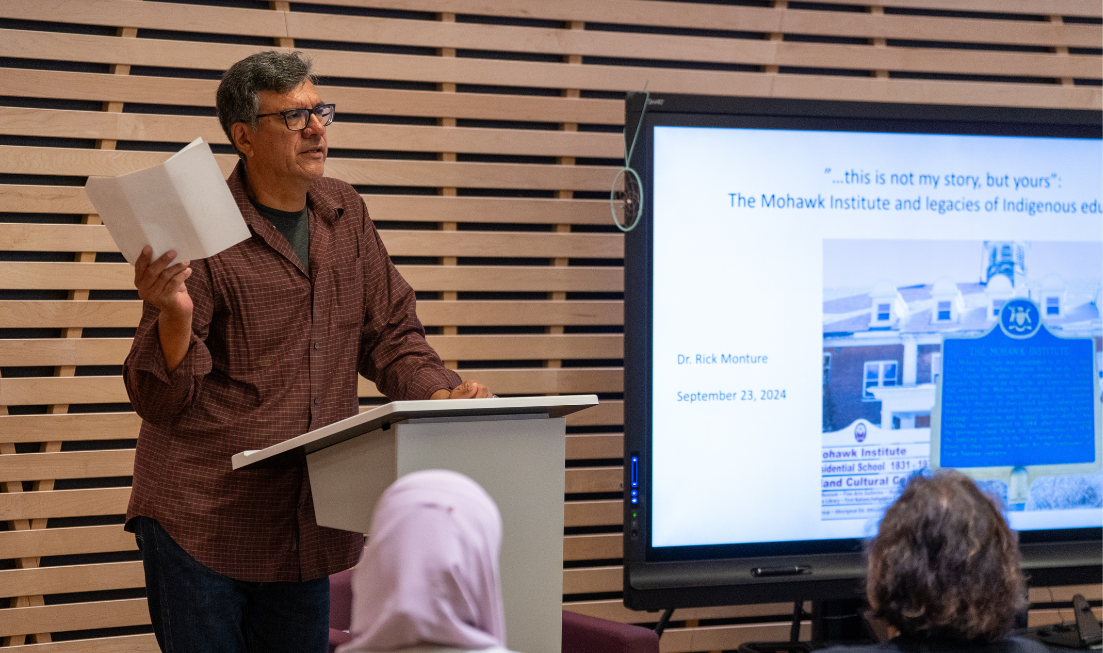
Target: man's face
<point x="278" y="154"/>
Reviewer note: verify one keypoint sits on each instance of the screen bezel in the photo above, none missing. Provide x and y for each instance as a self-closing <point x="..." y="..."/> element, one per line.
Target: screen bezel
<point x="715" y="574"/>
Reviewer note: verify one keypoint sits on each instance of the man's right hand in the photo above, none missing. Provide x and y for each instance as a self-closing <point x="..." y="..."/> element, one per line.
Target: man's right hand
<point x="162" y="285"/>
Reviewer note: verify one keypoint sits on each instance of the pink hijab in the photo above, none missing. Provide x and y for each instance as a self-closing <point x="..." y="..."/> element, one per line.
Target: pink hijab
<point x="429" y="572"/>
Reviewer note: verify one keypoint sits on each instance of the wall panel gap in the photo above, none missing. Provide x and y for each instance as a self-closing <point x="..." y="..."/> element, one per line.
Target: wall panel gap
<point x="565" y="193"/>
<point x="285" y="7"/>
<point x="448" y="191"/>
<point x="879" y="41"/>
<point x="776" y="38"/>
<point x="1062" y="50"/>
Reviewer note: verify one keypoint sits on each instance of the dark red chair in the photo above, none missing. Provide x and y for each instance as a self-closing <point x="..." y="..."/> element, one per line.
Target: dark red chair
<point x="582" y="634"/>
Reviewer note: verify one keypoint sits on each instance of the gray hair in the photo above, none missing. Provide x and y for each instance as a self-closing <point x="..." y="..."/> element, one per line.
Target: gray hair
<point x="278" y="72"/>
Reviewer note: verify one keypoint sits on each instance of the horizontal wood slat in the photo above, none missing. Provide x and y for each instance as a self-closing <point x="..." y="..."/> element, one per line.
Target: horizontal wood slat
<point x="112" y="351"/>
<point x="73" y="616"/>
<point x="415" y="138"/>
<point x="610" y="412"/>
<point x="62" y="390"/>
<point x="716" y="638"/>
<point x="527" y="39"/>
<point x="1064" y="594"/>
<point x="120" y="276"/>
<point x="673" y="14"/>
<point x="65" y="541"/>
<point x="568" y="346"/>
<point x="593" y="547"/>
<point x="384" y="172"/>
<point x="609" y="579"/>
<point x="614" y="610"/>
<point x="75" y="578"/>
<point x="595" y="446"/>
<point x="724" y="50"/>
<point x="520" y="313"/>
<point x="20" y="237"/>
<point x="20" y="43"/>
<point x="513" y="278"/>
<point x="1042" y="7"/>
<point x="188" y="92"/>
<point x="126" y="313"/>
<point x="36" y="314"/>
<point x="64" y="503"/>
<point x="43" y="199"/>
<point x="487" y="209"/>
<point x="595" y="479"/>
<point x="198" y="92"/>
<point x="69" y="427"/>
<point x="591" y="580"/>
<point x="64" y="351"/>
<point x="95" y="238"/>
<point x="1047" y="617"/>
<point x="593" y="513"/>
<point x="68" y="464"/>
<point x="397" y="208"/>
<point x="473" y="243"/>
<point x="186" y="18"/>
<point x="536" y="381"/>
<point x="622" y="78"/>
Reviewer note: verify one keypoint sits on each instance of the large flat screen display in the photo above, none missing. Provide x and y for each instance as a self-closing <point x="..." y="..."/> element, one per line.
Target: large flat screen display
<point x="824" y="299"/>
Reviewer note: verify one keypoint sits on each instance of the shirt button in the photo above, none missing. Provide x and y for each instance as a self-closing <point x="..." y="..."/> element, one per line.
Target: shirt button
<point x="317" y="401"/>
<point x="317" y="345"/>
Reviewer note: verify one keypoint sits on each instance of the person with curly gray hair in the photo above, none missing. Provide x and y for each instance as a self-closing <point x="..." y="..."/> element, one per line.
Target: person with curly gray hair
<point x="944" y="571"/>
<point x="248" y="348"/>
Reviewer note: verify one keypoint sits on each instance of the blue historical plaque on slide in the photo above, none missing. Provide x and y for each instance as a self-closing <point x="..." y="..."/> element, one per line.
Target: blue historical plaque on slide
<point x="1017" y="396"/>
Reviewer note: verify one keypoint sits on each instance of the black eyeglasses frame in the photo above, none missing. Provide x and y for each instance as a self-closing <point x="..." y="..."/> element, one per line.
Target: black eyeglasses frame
<point x="316" y="111"/>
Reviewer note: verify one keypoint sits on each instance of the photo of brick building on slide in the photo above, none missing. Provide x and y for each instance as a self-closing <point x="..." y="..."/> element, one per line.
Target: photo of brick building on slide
<point x="882" y="338"/>
<point x="888" y="304"/>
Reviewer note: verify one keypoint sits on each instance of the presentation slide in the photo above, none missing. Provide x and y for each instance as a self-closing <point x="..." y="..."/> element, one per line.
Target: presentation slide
<point x="835" y="311"/>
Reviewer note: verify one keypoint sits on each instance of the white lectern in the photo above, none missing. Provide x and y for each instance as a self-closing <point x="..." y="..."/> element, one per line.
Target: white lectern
<point x="513" y="447"/>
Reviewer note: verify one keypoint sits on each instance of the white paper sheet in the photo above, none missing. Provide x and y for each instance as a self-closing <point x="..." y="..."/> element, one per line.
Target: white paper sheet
<point x="183" y="204"/>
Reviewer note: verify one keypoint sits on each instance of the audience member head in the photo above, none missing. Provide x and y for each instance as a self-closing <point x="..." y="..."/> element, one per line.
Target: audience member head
<point x="429" y="572"/>
<point x="944" y="563"/>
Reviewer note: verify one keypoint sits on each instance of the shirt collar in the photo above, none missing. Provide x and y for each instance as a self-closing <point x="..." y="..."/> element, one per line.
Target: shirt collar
<point x="319" y="203"/>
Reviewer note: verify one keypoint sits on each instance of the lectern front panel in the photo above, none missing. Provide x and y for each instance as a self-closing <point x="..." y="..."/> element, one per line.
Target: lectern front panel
<point x="518" y="460"/>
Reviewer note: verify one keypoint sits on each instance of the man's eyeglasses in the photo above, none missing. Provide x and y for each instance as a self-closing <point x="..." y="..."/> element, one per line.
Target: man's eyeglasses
<point x="297" y="119"/>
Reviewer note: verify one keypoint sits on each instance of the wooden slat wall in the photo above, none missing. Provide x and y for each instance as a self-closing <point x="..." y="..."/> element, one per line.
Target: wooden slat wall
<point x="484" y="135"/>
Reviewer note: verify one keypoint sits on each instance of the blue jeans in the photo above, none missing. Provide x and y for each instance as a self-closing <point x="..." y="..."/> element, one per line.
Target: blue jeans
<point x="195" y="609"/>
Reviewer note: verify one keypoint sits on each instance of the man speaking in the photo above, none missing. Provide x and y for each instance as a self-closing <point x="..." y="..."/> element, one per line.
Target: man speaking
<point x="250" y="347"/>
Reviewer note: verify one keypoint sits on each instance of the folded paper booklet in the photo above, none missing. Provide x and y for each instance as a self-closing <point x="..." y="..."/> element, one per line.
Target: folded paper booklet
<point x="183" y="204"/>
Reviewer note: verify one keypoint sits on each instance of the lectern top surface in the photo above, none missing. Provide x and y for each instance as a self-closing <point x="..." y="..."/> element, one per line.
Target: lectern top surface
<point x="399" y="411"/>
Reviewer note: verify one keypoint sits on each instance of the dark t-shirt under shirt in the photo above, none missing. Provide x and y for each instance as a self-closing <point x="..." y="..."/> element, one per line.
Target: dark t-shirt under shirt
<point x="295" y="227"/>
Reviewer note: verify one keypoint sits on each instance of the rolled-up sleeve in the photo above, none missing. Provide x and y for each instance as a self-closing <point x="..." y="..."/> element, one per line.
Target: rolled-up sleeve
<point x="157" y="394"/>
